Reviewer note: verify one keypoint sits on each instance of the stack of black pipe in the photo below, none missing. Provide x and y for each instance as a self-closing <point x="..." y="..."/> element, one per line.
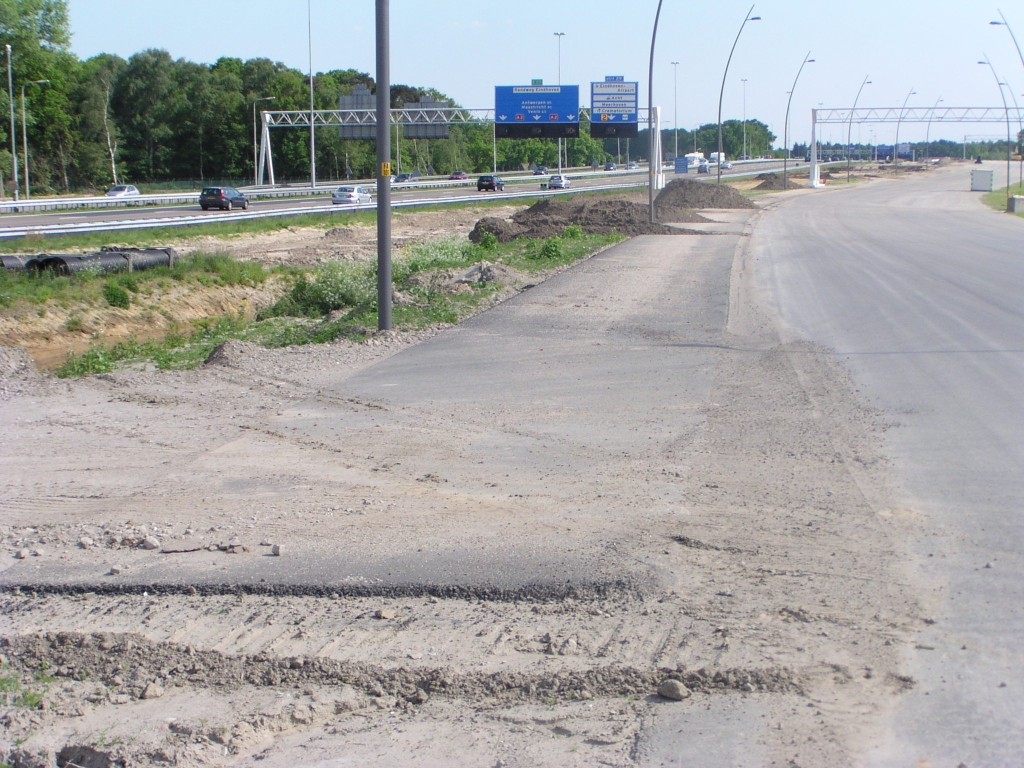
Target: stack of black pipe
<point x="105" y="260"/>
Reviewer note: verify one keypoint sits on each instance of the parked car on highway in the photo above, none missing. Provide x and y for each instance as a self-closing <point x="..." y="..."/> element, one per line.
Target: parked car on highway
<point x="224" y="198"/>
<point x="744" y="157"/>
<point x="609" y="166"/>
<point x="350" y="195"/>
<point x="540" y="170"/>
<point x="405" y="178"/>
<point x="704" y="168"/>
<point x="559" y="182"/>
<point x="727" y="166"/>
<point x="632" y="167"/>
<point x="122" y="190"/>
<point x="458" y="176"/>
<point x="491" y="182"/>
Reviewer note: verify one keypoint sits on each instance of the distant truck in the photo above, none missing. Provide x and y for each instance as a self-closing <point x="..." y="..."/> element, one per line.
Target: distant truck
<point x="718" y="157"/>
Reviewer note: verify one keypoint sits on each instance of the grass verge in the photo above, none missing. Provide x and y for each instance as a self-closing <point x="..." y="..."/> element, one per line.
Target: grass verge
<point x="996" y="199"/>
<point x="339" y="300"/>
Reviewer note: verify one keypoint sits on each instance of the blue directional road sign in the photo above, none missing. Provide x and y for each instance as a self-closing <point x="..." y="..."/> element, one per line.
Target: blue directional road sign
<point x="527" y="111"/>
<point x="614" y="108"/>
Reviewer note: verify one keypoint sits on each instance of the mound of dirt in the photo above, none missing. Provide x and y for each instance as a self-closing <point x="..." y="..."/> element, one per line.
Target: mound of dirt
<point x="549" y="218"/>
<point x="688" y="193"/>
<point x="505" y="231"/>
<point x="772" y="182"/>
<point x="14" y="362"/>
<point x="231" y="351"/>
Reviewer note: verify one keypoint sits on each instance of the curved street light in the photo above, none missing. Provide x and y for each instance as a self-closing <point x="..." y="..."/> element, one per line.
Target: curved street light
<point x="1006" y="108"/>
<point x="928" y="132"/>
<point x="1020" y="54"/>
<point x="849" y="132"/>
<point x="896" y="146"/>
<point x="785" y="128"/>
<point x="721" y="92"/>
<point x="650" y="120"/>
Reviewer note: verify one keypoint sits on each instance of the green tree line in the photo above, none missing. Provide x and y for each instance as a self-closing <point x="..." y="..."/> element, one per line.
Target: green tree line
<point x="154" y="119"/>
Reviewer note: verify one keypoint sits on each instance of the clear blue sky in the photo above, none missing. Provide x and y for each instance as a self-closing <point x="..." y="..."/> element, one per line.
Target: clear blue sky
<point x="465" y="48"/>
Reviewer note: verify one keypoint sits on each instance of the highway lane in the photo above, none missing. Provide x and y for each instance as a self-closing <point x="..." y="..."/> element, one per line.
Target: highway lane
<point x="300" y="205"/>
<point x="917" y="288"/>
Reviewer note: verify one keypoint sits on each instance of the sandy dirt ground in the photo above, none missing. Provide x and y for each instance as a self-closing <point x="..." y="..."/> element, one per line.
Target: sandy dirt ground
<point x="775" y="556"/>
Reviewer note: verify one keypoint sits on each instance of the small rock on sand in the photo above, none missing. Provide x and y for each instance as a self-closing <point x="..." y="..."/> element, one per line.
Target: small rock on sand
<point x="385" y="613"/>
<point x="21" y="554"/>
<point x="152" y="691"/>
<point x="151" y="542"/>
<point x="673" y="689"/>
<point x="276" y="550"/>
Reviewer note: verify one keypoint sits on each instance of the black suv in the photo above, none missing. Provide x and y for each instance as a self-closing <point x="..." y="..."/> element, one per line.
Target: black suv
<point x="490" y="182"/>
<point x="224" y="198"/>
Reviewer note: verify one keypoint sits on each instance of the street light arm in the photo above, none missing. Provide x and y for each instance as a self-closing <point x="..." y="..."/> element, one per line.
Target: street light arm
<point x="849" y="132"/>
<point x="785" y="125"/>
<point x="650" y="118"/>
<point x="721" y="91"/>
<point x="1013" y="36"/>
<point x="1006" y="109"/>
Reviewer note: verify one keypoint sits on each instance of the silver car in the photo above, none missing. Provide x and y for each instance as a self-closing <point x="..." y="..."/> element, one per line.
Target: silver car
<point x="558" y="182"/>
<point x="123" y="190"/>
<point x="350" y="196"/>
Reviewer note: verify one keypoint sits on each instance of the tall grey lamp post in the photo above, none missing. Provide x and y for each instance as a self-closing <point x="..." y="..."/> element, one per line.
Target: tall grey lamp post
<point x="849" y="132"/>
<point x="896" y="146"/>
<point x="785" y="127"/>
<point x="255" y="158"/>
<point x="383" y="166"/>
<point x="721" y="92"/>
<point x="744" y="81"/>
<point x="14" y="134"/>
<point x="559" y="35"/>
<point x="24" y="133"/>
<point x="1006" y="108"/>
<point x="675" y="108"/>
<point x="651" y="170"/>
<point x="312" y="108"/>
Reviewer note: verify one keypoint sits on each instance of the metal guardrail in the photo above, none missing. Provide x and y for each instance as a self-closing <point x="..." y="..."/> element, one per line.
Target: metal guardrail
<point x="208" y="218"/>
<point x="192" y="198"/>
<point x="269" y="193"/>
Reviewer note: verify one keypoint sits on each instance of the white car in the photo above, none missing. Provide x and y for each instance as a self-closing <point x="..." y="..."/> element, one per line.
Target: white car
<point x="122" y="190"/>
<point x="727" y="166"/>
<point x="350" y="196"/>
<point x="558" y="182"/>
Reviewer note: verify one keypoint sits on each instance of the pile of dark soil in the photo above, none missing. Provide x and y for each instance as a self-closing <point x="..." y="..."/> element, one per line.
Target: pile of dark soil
<point x="549" y="218"/>
<point x="689" y="194"/>
<point x="504" y="231"/>
<point x="772" y="182"/>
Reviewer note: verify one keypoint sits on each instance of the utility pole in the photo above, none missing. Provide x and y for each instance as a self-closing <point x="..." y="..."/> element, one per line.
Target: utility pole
<point x="24" y="133"/>
<point x="675" y="106"/>
<point x="312" y="108"/>
<point x="14" y="140"/>
<point x="744" y="80"/>
<point x="383" y="166"/>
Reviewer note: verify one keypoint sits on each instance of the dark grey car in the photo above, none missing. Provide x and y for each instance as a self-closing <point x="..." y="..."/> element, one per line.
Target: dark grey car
<point x="224" y="198"/>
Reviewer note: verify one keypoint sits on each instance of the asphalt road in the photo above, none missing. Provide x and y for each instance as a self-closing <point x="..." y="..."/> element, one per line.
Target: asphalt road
<point x="298" y="205"/>
<point x="917" y="288"/>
